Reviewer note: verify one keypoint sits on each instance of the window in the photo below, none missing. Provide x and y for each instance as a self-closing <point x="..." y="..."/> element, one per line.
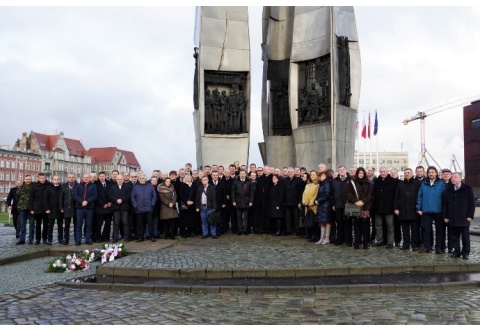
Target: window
<point x="20" y="165"/>
<point x="14" y="177"/>
<point x="2" y="163"/>
<point x="1" y="188"/>
<point x="38" y="167"/>
<point x="7" y="176"/>
<point x="20" y="176"/>
<point x="28" y="166"/>
<point x="2" y="176"/>
<point x="14" y="164"/>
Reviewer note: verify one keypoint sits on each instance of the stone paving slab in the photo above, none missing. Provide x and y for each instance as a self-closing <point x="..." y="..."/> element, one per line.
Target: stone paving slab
<point x="67" y="305"/>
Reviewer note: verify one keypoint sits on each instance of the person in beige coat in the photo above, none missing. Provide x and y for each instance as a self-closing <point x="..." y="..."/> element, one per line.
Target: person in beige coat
<point x="168" y="207"/>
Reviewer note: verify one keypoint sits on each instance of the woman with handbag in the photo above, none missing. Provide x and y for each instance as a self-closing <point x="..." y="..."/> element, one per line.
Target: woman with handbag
<point x="324" y="202"/>
<point x="168" y="209"/>
<point x="359" y="192"/>
<point x="310" y="208"/>
<point x="186" y="197"/>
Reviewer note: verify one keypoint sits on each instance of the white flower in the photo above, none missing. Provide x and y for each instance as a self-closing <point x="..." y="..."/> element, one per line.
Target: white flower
<point x="120" y="245"/>
<point x="119" y="249"/>
<point x="54" y="265"/>
<point x="87" y="252"/>
<point x="78" y="262"/>
<point x="102" y="251"/>
<point x="64" y="265"/>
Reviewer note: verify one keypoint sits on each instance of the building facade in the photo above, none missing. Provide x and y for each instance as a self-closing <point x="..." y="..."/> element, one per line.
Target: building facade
<point x="60" y="155"/>
<point x="471" y="135"/>
<point x="389" y="159"/>
<point x="15" y="165"/>
<point x="111" y="158"/>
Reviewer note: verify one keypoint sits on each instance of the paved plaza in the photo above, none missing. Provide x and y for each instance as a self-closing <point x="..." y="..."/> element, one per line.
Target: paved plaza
<point x="28" y="295"/>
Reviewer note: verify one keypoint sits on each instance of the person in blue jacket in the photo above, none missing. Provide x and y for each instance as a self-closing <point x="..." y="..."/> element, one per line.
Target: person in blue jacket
<point x="429" y="207"/>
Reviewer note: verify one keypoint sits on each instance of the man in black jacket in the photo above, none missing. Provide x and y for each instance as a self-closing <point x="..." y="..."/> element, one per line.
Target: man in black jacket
<point x="293" y="200"/>
<point x="343" y="226"/>
<point x="404" y="203"/>
<point x="102" y="213"/>
<point x="119" y="194"/>
<point x="52" y="209"/>
<point x="242" y="199"/>
<point x="37" y="208"/>
<point x="67" y="205"/>
<point x="12" y="202"/>
<point x="384" y="188"/>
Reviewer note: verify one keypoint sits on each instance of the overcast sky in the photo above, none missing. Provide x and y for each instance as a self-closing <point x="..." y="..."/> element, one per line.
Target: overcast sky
<point x="122" y="76"/>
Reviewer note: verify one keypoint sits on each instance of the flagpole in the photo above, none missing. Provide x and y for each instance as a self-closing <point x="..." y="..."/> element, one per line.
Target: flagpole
<point x="364" y="137"/>
<point x="375" y="131"/>
<point x="369" y="136"/>
<point x="357" y="141"/>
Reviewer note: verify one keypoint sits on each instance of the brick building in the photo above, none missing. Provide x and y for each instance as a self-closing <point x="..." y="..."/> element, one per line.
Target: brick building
<point x="14" y="165"/>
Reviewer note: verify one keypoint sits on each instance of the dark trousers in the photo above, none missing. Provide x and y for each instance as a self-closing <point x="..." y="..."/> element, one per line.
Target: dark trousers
<point x="373" y="236"/>
<point x="169" y="228"/>
<point x="410" y="233"/>
<point x="291" y="219"/>
<point x="107" y="228"/>
<point x="225" y="217"/>
<point x="464" y="234"/>
<point x="120" y="218"/>
<point x="84" y="214"/>
<point x="98" y="222"/>
<point x="41" y="233"/>
<point x="427" y="219"/>
<point x="242" y="219"/>
<point x="16" y="223"/>
<point x="397" y="232"/>
<point x="66" y="229"/>
<point x="142" y="218"/>
<point x="340" y="225"/>
<point x="362" y="231"/>
<point x="51" y="224"/>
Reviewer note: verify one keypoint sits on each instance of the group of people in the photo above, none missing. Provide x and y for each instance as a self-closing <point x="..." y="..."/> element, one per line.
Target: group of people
<point x="261" y="200"/>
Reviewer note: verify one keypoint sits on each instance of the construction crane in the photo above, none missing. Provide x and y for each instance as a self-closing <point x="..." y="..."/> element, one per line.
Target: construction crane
<point x="454" y="165"/>
<point x="424" y="114"/>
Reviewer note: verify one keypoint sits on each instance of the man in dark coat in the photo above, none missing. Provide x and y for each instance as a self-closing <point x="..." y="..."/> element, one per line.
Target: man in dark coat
<point x="37" y="208"/>
<point x="85" y="195"/>
<point x="12" y="202"/>
<point x="343" y="225"/>
<point x="119" y="194"/>
<point x="67" y="206"/>
<point x="293" y="200"/>
<point x="218" y="185"/>
<point x="242" y="200"/>
<point x="102" y="213"/>
<point x="384" y="188"/>
<point x="458" y="212"/>
<point x="52" y="209"/>
<point x="228" y="213"/>
<point x="405" y="208"/>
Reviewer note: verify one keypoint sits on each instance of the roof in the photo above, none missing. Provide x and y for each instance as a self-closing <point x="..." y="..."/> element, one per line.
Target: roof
<point x="102" y="155"/>
<point x="75" y="147"/>
<point x="47" y="142"/>
<point x="130" y="158"/>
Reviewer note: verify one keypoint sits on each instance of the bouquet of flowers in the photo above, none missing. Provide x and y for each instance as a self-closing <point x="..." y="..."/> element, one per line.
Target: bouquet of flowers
<point x="109" y="252"/>
<point x="71" y="263"/>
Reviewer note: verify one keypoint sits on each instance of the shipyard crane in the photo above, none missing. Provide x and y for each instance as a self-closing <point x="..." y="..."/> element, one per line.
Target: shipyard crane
<point x="424" y="114"/>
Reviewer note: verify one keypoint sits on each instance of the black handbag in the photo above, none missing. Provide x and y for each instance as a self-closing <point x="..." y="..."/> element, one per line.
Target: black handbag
<point x="310" y="219"/>
<point x="183" y="206"/>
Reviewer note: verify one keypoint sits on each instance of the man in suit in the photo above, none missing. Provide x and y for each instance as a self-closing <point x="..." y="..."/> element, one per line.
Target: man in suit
<point x="242" y="200"/>
<point x="12" y="202"/>
<point x="103" y="215"/>
<point x="293" y="200"/>
<point x="458" y="212"/>
<point x="85" y="195"/>
<point x="119" y="194"/>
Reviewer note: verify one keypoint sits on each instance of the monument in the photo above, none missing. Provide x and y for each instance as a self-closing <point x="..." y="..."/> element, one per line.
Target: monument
<point x="312" y="72"/>
<point x="222" y="85"/>
<point x="310" y="90"/>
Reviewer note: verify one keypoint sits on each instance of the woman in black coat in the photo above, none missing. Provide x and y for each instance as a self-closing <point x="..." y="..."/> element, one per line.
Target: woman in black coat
<point x="277" y="196"/>
<point x="324" y="202"/>
<point x="359" y="192"/>
<point x="186" y="196"/>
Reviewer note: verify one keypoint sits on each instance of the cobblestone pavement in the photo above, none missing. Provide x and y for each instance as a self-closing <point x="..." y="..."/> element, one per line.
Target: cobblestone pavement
<point x="27" y="295"/>
<point x="61" y="305"/>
